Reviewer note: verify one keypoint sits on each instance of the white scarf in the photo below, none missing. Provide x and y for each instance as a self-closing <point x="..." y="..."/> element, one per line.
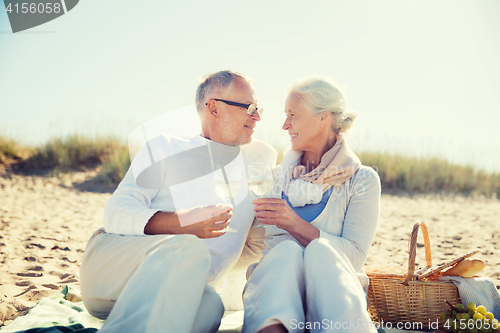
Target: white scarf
<point x="336" y="167"/>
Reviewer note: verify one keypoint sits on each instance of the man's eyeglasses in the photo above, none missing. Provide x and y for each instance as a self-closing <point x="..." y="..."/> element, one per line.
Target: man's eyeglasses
<point x="251" y="108"/>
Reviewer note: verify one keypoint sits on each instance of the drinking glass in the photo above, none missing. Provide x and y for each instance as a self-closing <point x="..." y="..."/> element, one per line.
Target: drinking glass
<point x="227" y="184"/>
<point x="260" y="181"/>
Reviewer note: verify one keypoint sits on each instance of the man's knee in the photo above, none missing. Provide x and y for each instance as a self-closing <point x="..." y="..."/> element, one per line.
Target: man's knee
<point x="180" y="245"/>
<point x="98" y="308"/>
<point x="193" y="243"/>
<point x="211" y="300"/>
<point x="210" y="312"/>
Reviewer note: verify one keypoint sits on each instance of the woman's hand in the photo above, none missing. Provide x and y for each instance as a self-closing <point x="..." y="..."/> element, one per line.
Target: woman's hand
<point x="277" y="212"/>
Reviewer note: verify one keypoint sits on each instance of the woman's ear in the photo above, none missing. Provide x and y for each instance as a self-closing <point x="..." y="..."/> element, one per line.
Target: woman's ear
<point x="325" y="115"/>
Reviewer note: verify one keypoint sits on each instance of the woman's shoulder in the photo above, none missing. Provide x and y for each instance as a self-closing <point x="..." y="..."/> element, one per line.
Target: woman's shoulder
<point x="367" y="171"/>
<point x="366" y="175"/>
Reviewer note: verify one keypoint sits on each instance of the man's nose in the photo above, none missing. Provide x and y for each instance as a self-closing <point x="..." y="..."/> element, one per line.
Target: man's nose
<point x="256" y="116"/>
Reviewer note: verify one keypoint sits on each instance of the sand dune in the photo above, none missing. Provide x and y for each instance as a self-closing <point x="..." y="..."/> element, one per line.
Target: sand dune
<point x="45" y="224"/>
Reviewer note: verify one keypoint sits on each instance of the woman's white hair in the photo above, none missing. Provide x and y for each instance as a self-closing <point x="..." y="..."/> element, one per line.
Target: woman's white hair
<point x="319" y="95"/>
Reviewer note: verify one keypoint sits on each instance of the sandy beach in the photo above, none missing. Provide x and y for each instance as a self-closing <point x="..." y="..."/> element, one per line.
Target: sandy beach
<point x="46" y="222"/>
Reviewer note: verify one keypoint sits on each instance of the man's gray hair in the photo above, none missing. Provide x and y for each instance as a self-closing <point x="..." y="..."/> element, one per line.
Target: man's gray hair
<point x="215" y="81"/>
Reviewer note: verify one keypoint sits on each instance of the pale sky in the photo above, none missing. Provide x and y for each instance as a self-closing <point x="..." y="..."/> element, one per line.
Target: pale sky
<point x="424" y="76"/>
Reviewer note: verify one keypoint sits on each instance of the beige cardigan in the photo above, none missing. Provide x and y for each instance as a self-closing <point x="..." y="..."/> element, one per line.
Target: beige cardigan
<point x="349" y="219"/>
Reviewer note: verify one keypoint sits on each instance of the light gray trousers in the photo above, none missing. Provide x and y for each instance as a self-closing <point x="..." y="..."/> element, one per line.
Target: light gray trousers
<point x="295" y="286"/>
<point x="150" y="284"/>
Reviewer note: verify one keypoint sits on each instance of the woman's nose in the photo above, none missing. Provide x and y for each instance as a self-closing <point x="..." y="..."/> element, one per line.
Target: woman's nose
<point x="286" y="124"/>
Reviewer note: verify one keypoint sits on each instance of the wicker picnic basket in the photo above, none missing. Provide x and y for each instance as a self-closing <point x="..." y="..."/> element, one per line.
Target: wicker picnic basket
<point x="411" y="297"/>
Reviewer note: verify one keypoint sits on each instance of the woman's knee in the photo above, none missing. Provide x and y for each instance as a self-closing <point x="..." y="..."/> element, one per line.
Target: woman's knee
<point x="318" y="251"/>
<point x="320" y="246"/>
<point x="287" y="256"/>
<point x="288" y="249"/>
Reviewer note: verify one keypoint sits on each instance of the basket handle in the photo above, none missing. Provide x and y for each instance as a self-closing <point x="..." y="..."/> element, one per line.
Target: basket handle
<point x="413" y="250"/>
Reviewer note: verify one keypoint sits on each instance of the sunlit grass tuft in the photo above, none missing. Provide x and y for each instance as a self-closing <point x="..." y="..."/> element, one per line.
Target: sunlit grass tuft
<point x="115" y="166"/>
<point x="72" y="152"/>
<point x="430" y="174"/>
<point x="9" y="150"/>
<point x="77" y="151"/>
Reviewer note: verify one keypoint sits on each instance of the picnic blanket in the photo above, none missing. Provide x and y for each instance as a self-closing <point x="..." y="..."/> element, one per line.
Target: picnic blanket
<point x="55" y="314"/>
<point x="56" y="310"/>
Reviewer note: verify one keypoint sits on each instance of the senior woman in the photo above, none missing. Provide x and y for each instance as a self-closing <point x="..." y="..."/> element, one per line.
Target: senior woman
<point x="319" y="233"/>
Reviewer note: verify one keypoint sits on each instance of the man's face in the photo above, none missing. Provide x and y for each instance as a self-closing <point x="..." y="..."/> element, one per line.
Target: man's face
<point x="234" y="126"/>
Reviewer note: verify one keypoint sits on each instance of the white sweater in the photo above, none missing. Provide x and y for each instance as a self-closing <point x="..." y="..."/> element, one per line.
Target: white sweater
<point x="349" y="219"/>
<point x="177" y="172"/>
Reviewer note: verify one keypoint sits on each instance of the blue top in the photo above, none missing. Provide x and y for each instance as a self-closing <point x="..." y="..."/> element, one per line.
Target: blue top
<point x="311" y="211"/>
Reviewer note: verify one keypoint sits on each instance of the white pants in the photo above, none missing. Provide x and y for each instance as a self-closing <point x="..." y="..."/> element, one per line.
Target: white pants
<point x="150" y="284"/>
<point x="315" y="288"/>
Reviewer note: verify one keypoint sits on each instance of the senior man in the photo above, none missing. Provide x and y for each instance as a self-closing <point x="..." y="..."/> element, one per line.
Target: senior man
<point x="166" y="244"/>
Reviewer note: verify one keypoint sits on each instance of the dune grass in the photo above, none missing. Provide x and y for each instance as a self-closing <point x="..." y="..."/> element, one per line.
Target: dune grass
<point x="115" y="166"/>
<point x="72" y="152"/>
<point x="9" y="150"/>
<point x="76" y="152"/>
<point x="397" y="172"/>
<point x="432" y="174"/>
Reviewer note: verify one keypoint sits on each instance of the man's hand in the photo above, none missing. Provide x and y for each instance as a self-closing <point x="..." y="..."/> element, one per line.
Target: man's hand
<point x="213" y="220"/>
<point x="204" y="222"/>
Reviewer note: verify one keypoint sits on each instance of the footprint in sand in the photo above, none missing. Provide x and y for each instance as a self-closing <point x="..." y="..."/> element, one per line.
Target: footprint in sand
<point x="30" y="274"/>
<point x="35" y="268"/>
<point x="30" y="246"/>
<point x="51" y="286"/>
<point x="25" y="283"/>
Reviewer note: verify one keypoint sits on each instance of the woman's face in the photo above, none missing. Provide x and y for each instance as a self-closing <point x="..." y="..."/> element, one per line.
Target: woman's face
<point x="306" y="129"/>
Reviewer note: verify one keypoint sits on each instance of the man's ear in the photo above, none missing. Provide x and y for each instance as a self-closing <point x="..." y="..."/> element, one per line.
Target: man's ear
<point x="212" y="108"/>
